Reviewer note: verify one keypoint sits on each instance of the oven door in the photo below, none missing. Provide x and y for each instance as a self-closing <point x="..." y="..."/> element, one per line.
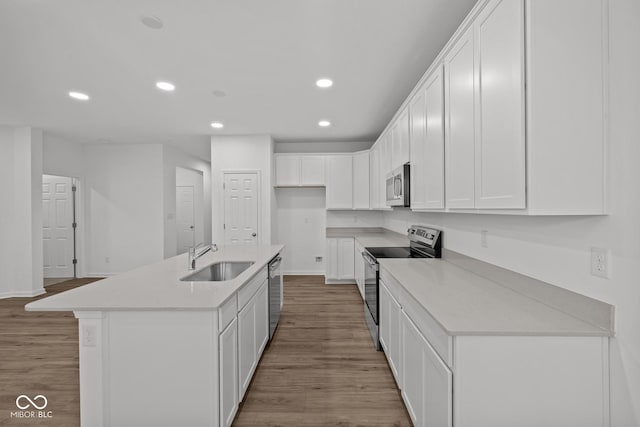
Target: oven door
<point x="371" y="285"/>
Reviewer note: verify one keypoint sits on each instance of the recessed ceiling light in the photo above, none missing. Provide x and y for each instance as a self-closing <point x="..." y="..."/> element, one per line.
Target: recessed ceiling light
<point x="152" y="22"/>
<point x="79" y="96"/>
<point x="217" y="125"/>
<point x="324" y="83"/>
<point x="324" y="123"/>
<point x="166" y="86"/>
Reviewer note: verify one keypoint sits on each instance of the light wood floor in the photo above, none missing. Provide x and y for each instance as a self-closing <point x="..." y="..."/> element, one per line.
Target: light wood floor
<point x="320" y="369"/>
<point x="39" y="355"/>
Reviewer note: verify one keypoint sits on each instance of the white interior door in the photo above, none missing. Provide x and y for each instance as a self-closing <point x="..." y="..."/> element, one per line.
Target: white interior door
<point x="57" y="226"/>
<point x="241" y="208"/>
<point x="185" y="217"/>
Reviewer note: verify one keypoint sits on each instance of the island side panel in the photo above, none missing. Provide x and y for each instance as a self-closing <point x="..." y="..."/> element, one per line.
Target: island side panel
<point x="551" y="381"/>
<point x="158" y="367"/>
<point x="91" y="334"/>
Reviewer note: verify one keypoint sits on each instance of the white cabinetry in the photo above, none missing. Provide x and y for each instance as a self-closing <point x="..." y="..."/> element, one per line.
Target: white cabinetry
<point x="340" y="260"/>
<point x="553" y="381"/>
<point x="460" y="81"/>
<point x="253" y="333"/>
<point x="426" y="379"/>
<point x="228" y="373"/>
<point x="339" y="181"/>
<point x="385" y="162"/>
<point x="484" y="81"/>
<point x="299" y="170"/>
<point x="361" y="180"/>
<point x="400" y="140"/>
<point x="427" y="143"/>
<point x="375" y="180"/>
<point x="359" y="267"/>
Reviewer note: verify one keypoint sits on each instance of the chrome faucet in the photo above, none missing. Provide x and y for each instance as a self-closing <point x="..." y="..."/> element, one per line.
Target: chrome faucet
<point x="194" y="253"/>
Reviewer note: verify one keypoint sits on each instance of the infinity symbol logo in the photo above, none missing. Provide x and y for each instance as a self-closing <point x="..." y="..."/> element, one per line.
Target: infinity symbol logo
<point x="23" y="397"/>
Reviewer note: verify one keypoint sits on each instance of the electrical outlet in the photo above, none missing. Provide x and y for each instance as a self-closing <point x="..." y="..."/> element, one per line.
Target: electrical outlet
<point x="107" y="260"/>
<point x="318" y="259"/>
<point x="600" y="262"/>
<point x="89" y="338"/>
<point x="483" y="238"/>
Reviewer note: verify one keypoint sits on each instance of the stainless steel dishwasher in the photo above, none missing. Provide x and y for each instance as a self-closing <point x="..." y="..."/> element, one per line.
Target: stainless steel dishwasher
<point x="275" y="293"/>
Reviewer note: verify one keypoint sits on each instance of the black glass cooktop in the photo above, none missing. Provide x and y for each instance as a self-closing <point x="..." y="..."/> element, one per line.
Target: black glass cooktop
<point x="394" y="252"/>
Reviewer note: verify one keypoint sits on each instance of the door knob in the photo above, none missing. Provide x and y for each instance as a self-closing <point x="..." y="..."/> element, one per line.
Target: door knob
<point x="191" y="227"/>
<point x="253" y="234"/>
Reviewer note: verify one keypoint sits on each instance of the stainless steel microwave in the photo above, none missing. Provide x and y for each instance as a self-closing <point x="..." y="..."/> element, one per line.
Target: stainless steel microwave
<point x="397" y="184"/>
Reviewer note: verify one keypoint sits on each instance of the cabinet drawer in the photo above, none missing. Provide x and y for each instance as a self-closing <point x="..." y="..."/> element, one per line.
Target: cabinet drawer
<point x="248" y="290"/>
<point x="227" y="312"/>
<point x="426" y="324"/>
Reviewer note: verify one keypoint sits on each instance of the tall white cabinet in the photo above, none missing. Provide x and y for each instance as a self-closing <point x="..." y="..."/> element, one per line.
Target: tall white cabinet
<point x="339" y="179"/>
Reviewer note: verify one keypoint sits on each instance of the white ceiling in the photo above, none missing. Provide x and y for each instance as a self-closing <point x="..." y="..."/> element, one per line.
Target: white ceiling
<point x="264" y="54"/>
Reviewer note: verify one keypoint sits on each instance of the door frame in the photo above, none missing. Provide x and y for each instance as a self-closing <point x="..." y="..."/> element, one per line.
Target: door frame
<point x="193" y="221"/>
<point x="257" y="172"/>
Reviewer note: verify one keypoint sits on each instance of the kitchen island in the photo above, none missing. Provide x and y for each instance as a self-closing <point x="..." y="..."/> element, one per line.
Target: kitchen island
<point x="157" y="350"/>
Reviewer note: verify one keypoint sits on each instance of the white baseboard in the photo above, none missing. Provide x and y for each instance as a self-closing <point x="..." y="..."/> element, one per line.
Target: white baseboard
<point x="303" y="273"/>
<point x="22" y="294"/>
<point x="339" y="282"/>
<point x="97" y="275"/>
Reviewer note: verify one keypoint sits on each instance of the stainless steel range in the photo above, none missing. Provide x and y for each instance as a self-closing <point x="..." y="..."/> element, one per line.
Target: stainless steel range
<point x="423" y="243"/>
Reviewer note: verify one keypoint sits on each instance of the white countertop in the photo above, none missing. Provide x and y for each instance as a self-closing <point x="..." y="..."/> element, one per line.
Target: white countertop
<point x="370" y="236"/>
<point x="158" y="286"/>
<point x="464" y="303"/>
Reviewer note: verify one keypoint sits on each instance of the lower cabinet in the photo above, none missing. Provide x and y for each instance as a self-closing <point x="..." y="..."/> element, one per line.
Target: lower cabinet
<point x="340" y="260"/>
<point x="358" y="263"/>
<point x="229" y="398"/>
<point x="493" y="380"/>
<point x="426" y="380"/>
<point x="253" y="333"/>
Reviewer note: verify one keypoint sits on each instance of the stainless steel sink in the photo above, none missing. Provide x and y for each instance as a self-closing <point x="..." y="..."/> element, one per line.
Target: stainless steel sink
<point x="218" y="272"/>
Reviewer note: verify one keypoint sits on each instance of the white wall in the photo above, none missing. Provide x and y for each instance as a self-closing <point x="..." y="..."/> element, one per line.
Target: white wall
<point x="124" y="207"/>
<point x="354" y="219"/>
<point x="173" y="158"/>
<point x="322" y="147"/>
<point x="62" y="157"/>
<point x="301" y="224"/>
<point x="557" y="249"/>
<point x="230" y="153"/>
<point x="21" y="216"/>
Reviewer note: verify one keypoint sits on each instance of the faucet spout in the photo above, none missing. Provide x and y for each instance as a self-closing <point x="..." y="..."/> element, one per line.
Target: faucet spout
<point x="196" y="252"/>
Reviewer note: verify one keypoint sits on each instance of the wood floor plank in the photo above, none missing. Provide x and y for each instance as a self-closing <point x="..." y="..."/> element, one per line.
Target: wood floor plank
<point x="321" y="368"/>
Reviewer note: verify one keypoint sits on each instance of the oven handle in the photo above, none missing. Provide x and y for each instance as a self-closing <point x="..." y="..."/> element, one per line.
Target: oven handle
<point x="370" y="260"/>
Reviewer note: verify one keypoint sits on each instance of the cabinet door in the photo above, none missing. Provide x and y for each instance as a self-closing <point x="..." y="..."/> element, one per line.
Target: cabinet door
<point x="331" y="259"/>
<point x="246" y="345"/>
<point x="262" y="319"/>
<point x="434" y="141"/>
<point x="427" y="381"/>
<point x="418" y="137"/>
<point x="375" y="181"/>
<point x="312" y="171"/>
<point x="400" y="140"/>
<point x="460" y="83"/>
<point x="228" y="373"/>
<point x="500" y="137"/>
<point x="389" y="331"/>
<point x="339" y="179"/>
<point x="359" y="267"/>
<point x="361" y="180"/>
<point x="385" y="163"/>
<point x="346" y="258"/>
<point x="287" y="170"/>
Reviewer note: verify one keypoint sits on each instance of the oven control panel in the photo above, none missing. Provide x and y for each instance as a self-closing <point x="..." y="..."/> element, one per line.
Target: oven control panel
<point x="424" y="235"/>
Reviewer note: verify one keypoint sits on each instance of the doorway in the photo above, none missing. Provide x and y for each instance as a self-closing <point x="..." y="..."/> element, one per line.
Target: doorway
<point x="59" y="226"/>
<point x="189" y="209"/>
<point x="241" y="204"/>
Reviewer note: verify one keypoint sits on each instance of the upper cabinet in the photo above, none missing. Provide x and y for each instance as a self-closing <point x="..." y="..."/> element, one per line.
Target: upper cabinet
<point x="524" y="119"/>
<point x="426" y="134"/>
<point x="361" y="179"/>
<point x="484" y="95"/>
<point x="400" y="140"/>
<point x="299" y="170"/>
<point x="339" y="179"/>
